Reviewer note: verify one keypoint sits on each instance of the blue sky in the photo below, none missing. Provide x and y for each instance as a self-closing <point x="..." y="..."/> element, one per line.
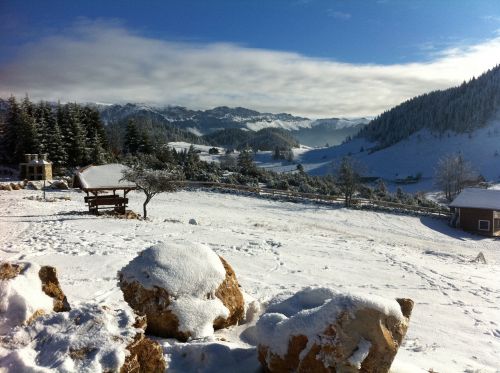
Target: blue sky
<point x="316" y="36"/>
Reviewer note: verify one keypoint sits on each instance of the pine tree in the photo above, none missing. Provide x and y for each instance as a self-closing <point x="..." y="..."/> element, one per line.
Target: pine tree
<point x="74" y="137"/>
<point x="132" y="139"/>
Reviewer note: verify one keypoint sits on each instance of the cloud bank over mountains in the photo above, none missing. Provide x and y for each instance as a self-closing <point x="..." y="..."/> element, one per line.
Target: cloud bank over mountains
<point x="105" y="62"/>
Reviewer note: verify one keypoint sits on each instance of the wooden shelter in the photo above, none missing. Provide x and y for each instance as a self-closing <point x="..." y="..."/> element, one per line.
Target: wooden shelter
<point x="101" y="184"/>
<point x="477" y="210"/>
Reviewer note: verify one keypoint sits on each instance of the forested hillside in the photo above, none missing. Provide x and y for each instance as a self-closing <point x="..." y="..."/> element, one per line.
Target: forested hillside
<point x="461" y="109"/>
<point x="264" y="139"/>
<point x="71" y="134"/>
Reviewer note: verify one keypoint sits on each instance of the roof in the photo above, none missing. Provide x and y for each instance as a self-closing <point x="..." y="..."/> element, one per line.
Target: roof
<point x="107" y="176"/>
<point x="478" y="198"/>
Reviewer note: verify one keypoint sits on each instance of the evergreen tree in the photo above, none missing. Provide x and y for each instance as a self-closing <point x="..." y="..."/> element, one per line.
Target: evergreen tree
<point x="132" y="139"/>
<point x="55" y="147"/>
<point x="245" y="163"/>
<point x="74" y="138"/>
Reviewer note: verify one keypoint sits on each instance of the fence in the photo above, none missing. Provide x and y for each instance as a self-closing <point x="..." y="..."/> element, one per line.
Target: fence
<point x="291" y="195"/>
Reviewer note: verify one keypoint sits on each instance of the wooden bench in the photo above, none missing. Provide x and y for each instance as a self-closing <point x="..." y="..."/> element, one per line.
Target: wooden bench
<point x="119" y="203"/>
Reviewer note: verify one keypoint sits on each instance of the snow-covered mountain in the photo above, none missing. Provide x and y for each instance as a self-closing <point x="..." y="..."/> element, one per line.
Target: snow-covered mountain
<point x="409" y="139"/>
<point x="311" y="132"/>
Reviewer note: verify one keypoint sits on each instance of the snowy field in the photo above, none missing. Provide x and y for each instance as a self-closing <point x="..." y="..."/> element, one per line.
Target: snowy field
<point x="276" y="247"/>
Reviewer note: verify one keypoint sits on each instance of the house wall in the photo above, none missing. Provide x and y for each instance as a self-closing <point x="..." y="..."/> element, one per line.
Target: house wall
<point x="469" y="220"/>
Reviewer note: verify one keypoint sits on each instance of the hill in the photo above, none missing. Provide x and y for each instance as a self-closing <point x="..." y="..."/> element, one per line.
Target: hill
<point x="462" y="109"/>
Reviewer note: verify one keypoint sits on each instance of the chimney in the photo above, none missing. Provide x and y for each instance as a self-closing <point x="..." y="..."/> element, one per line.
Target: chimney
<point x="43" y="156"/>
<point x="27" y="158"/>
<point x="35" y="157"/>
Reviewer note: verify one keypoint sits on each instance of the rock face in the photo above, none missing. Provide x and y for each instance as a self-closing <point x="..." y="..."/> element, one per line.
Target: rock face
<point x="51" y="287"/>
<point x="348" y="337"/>
<point x="183" y="295"/>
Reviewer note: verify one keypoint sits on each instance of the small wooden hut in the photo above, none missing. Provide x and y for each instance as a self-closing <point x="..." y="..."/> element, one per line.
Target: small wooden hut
<point x="103" y="185"/>
<point x="477" y="210"/>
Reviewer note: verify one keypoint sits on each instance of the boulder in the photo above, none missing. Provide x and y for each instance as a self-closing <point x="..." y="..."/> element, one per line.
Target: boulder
<point x="21" y="294"/>
<point x="51" y="287"/>
<point x="145" y="356"/>
<point x="88" y="338"/>
<point x="59" y="184"/>
<point x="5" y="187"/>
<point x="15" y="186"/>
<point x="193" y="221"/>
<point x="319" y="330"/>
<point x="185" y="290"/>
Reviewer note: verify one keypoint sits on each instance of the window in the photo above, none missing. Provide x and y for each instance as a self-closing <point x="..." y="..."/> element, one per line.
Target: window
<point x="484" y="225"/>
<point x="497" y="224"/>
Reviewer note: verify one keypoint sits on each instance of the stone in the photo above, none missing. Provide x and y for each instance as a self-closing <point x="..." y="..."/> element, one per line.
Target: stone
<point x="35" y="185"/>
<point x="5" y="187"/>
<point x="51" y="287"/>
<point x="156" y="304"/>
<point x="15" y="186"/>
<point x="231" y="296"/>
<point x="8" y="271"/>
<point x="60" y="184"/>
<point x="23" y="299"/>
<point x="193" y="222"/>
<point x="145" y="355"/>
<point x="365" y="340"/>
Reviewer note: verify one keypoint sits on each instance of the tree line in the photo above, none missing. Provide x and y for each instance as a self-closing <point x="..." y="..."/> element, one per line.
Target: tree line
<point x="71" y="134"/>
<point x="461" y="109"/>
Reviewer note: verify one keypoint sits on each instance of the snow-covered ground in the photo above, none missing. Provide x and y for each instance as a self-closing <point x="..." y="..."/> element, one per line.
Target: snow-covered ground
<point x="279" y="247"/>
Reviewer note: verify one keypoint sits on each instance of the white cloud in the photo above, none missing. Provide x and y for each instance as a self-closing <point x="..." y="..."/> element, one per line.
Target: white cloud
<point x="106" y="63"/>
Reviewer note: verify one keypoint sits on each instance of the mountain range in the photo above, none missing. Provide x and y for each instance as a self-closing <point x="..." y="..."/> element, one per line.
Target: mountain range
<point x="309" y="132"/>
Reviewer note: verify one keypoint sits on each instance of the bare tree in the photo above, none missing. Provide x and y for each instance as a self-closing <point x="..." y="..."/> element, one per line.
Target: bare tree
<point x="453" y="174"/>
<point x="153" y="182"/>
<point x="348" y="179"/>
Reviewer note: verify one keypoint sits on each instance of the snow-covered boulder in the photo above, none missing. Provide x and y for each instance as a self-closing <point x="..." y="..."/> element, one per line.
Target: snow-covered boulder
<point x="17" y="186"/>
<point x="320" y="330"/>
<point x="27" y="292"/>
<point x="35" y="185"/>
<point x="184" y="289"/>
<point x="90" y="338"/>
<point x="59" y="184"/>
<point x="5" y="187"/>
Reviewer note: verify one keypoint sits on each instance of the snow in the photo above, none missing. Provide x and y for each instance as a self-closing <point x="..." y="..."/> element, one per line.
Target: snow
<point x="105" y="176"/>
<point x="277" y="247"/>
<point x="310" y="311"/>
<point x="21" y="296"/>
<point x="87" y="339"/>
<point x="419" y="153"/>
<point x="361" y="353"/>
<point x="478" y="198"/>
<point x="188" y="272"/>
